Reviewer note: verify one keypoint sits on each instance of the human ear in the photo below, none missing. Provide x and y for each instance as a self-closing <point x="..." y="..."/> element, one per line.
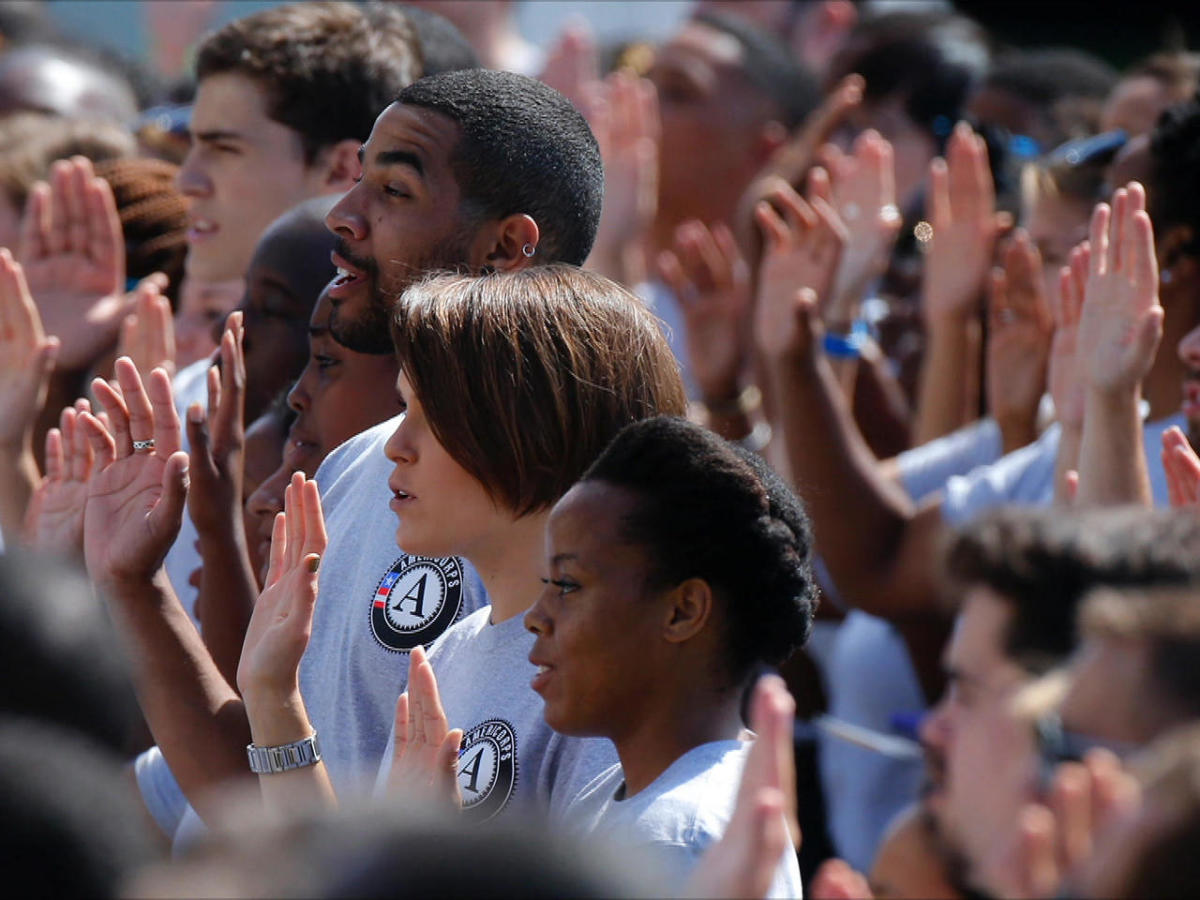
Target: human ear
<point x="339" y="166"/>
<point x="506" y="245"/>
<point x="689" y="607"/>
<point x="771" y="136"/>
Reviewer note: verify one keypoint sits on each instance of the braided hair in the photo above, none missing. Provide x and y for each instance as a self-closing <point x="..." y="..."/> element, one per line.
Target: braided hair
<point x="711" y="510"/>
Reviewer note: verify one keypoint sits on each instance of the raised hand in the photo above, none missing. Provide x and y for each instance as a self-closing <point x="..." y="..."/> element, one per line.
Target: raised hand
<point x="794" y="158"/>
<point x="269" y="671"/>
<point x="836" y="880"/>
<point x="148" y="333"/>
<point x="26" y="358"/>
<point x="138" y="487"/>
<point x="1182" y="468"/>
<point x="54" y="521"/>
<point x="862" y="188"/>
<point x="425" y="759"/>
<point x="74" y="257"/>
<point x="572" y="65"/>
<point x="623" y="113"/>
<point x="216" y="438"/>
<point x="1020" y="329"/>
<point x="712" y="284"/>
<point x="962" y="206"/>
<point x="1121" y="321"/>
<point x="1063" y="371"/>
<point x="803" y="248"/>
<point x="743" y="862"/>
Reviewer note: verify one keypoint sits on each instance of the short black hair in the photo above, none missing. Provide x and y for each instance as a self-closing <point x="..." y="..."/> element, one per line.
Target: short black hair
<point x="1068" y="86"/>
<point x="708" y="509"/>
<point x="930" y="61"/>
<point x="328" y="68"/>
<point x="1173" y="195"/>
<point x="524" y="149"/>
<point x="770" y="66"/>
<point x="1043" y="561"/>
<point x="443" y="47"/>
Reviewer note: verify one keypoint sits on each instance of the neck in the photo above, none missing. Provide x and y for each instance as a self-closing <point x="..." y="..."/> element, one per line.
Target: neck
<point x="683" y="719"/>
<point x="510" y="567"/>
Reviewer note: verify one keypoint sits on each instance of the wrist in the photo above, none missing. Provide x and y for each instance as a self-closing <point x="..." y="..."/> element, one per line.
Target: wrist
<point x="276" y="713"/>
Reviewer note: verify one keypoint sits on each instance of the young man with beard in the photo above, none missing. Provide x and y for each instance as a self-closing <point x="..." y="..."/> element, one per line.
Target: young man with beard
<point x="476" y="170"/>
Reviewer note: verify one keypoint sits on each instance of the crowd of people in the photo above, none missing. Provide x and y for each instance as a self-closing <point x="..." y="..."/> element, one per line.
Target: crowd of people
<point x="757" y="463"/>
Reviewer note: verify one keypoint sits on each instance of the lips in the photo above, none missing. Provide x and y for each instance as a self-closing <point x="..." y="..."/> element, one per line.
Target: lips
<point x="348" y="276"/>
<point x="542" y="676"/>
<point x="1191" y="397"/>
<point x="200" y="229"/>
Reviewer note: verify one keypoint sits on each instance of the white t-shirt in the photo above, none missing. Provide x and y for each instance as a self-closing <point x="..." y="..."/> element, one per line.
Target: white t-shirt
<point x="189" y="386"/>
<point x="927" y="468"/>
<point x="678" y="816"/>
<point x="510" y="758"/>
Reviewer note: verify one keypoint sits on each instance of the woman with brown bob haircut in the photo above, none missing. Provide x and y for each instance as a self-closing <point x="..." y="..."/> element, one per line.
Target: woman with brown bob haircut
<point x="512" y="385"/>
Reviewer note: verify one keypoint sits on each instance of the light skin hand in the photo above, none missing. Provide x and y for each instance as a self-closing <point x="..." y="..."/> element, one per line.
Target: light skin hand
<point x="803" y="248"/>
<point x="743" y="862"/>
<point x="794" y="158"/>
<point x="710" y="279"/>
<point x="135" y="498"/>
<point x="1121" y="321"/>
<point x="1020" y="329"/>
<point x="148" y="333"/>
<point x="862" y="187"/>
<point x="835" y="880"/>
<point x="26" y="358"/>
<point x="572" y="65"/>
<point x="54" y="522"/>
<point x="623" y="113"/>
<point x="73" y="252"/>
<point x="1182" y="468"/>
<point x="425" y="758"/>
<point x="962" y="205"/>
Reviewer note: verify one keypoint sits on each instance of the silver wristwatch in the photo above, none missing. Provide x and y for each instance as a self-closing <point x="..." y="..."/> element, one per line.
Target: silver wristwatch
<point x="296" y="755"/>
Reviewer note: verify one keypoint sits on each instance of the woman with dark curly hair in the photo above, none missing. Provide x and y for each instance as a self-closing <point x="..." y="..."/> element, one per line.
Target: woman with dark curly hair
<point x="677" y="565"/>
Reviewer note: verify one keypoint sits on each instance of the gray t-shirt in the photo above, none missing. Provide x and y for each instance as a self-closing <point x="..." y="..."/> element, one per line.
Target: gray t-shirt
<point x="510" y="758"/>
<point x="677" y="817"/>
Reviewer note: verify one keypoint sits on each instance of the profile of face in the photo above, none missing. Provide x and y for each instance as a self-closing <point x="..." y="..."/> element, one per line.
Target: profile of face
<point x="717" y="129"/>
<point x="243" y="169"/>
<point x="289" y="268"/>
<point x="443" y="509"/>
<point x="1135" y="105"/>
<point x="203" y="306"/>
<point x="340" y="393"/>
<point x="262" y="454"/>
<point x="988" y="746"/>
<point x="1056" y="224"/>
<point x="267" y="499"/>
<point x="596" y="620"/>
<point x="402" y="219"/>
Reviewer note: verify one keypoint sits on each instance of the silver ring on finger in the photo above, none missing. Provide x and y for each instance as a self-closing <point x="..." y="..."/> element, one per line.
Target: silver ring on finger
<point x="139" y="446"/>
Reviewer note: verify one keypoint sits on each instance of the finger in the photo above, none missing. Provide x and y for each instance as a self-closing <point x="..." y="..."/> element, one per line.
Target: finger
<point x="1174" y="489"/>
<point x="671" y="271"/>
<point x="315" y="538"/>
<point x="213" y="381"/>
<point x="774" y="230"/>
<point x="1098" y="238"/>
<point x="400" y="727"/>
<point x="819" y="184"/>
<point x="81" y="455"/>
<point x="33" y="242"/>
<point x="106" y="245"/>
<point x="939" y="195"/>
<point x="197" y="432"/>
<point x="796" y="211"/>
<point x="728" y="248"/>
<point x="1070" y="800"/>
<point x="1143" y="263"/>
<point x="75" y="204"/>
<point x="55" y="465"/>
<point x="448" y="766"/>
<point x="293" y="518"/>
<point x="231" y="408"/>
<point x="278" y="557"/>
<point x="997" y="299"/>
<point x="20" y="313"/>
<point x="100" y="439"/>
<point x="166" y="516"/>
<point x="1188" y="466"/>
<point x="1117" y="231"/>
<point x="141" y="413"/>
<point x="1037" y="836"/>
<point x="830" y="114"/>
<point x="167" y="432"/>
<point x="60" y="186"/>
<point x="117" y="423"/>
<point x="1071" y="483"/>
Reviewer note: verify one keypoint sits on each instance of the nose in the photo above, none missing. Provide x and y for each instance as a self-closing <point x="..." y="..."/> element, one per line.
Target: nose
<point x="536" y="619"/>
<point x="345" y="219"/>
<point x="192" y="179"/>
<point x="935" y="727"/>
<point x="398" y="447"/>
<point x="267" y="499"/>
<point x="299" y="397"/>
<point x="1189" y="348"/>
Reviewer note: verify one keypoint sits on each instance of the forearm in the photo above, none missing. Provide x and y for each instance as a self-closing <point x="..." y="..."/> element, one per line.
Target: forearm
<point x="227" y="593"/>
<point x="1112" y="461"/>
<point x="1017" y="430"/>
<point x="947" y="372"/>
<point x="1067" y="461"/>
<point x="275" y="721"/>
<point x="859" y="517"/>
<point x="197" y="719"/>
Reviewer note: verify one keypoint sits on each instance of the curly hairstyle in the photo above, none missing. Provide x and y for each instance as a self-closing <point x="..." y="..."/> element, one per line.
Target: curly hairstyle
<point x="709" y="509"/>
<point x="328" y="68"/>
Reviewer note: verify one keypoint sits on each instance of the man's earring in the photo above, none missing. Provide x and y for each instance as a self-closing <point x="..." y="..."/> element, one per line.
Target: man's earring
<point x="528" y="250"/>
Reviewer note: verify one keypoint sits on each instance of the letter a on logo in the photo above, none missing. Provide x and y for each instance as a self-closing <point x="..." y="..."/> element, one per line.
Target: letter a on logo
<point x="417" y="595"/>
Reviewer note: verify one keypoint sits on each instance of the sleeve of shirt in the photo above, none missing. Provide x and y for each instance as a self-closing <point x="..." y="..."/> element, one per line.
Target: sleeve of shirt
<point x="927" y="468"/>
<point x="161" y="793"/>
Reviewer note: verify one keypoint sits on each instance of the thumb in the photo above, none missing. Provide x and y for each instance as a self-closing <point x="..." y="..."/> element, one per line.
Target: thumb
<point x="167" y="515"/>
<point x="1149" y="332"/>
<point x="448" y="765"/>
<point x="197" y="432"/>
<point x="47" y="357"/>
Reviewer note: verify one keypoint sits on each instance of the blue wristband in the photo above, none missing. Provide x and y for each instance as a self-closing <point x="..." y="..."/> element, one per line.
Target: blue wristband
<point x="843" y="346"/>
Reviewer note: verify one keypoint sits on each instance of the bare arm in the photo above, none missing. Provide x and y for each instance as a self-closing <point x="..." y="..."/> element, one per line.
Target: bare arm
<point x="1119" y="332"/>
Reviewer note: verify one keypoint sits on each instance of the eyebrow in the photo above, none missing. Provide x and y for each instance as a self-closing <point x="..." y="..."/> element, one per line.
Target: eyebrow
<point x="317" y="330"/>
<point x="400" y="158"/>
<point x="208" y="136"/>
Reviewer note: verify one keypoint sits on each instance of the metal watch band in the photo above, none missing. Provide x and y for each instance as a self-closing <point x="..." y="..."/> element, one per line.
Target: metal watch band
<point x="296" y="755"/>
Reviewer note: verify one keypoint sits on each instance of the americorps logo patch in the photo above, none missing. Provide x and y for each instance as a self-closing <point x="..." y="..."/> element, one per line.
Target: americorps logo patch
<point x="418" y="599"/>
<point x="487" y="768"/>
